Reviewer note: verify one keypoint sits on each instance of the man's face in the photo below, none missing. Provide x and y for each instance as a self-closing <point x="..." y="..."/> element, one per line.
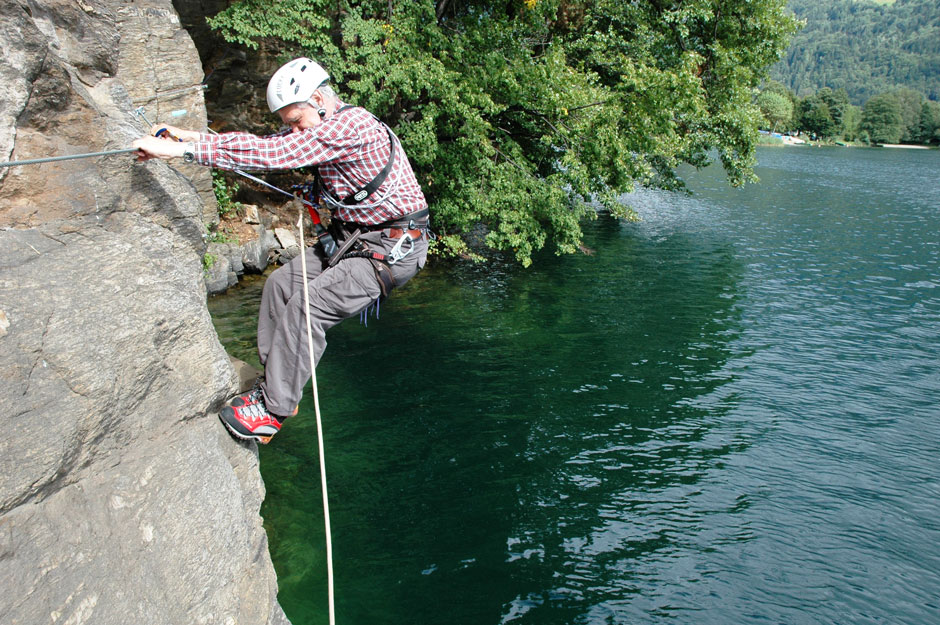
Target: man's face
<point x="299" y="116"/>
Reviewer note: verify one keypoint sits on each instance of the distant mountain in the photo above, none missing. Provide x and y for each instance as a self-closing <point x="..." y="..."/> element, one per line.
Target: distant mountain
<point x="864" y="47"/>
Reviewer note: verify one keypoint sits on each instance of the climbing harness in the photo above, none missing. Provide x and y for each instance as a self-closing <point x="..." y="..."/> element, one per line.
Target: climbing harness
<point x="350" y="245"/>
<point x="367" y="190"/>
<point x="407" y="229"/>
<point x="316" y="405"/>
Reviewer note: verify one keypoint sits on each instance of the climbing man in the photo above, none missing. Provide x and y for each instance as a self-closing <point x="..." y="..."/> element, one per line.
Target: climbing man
<point x="379" y="221"/>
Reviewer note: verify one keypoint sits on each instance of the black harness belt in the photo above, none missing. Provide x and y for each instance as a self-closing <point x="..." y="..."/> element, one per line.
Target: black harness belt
<point x="417" y="220"/>
<point x="407" y="229"/>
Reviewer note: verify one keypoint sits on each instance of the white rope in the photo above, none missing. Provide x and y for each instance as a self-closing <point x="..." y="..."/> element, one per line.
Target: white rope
<point x="316" y="404"/>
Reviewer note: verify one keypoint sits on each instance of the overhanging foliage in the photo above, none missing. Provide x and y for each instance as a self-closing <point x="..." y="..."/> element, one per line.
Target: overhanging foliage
<point x="526" y="115"/>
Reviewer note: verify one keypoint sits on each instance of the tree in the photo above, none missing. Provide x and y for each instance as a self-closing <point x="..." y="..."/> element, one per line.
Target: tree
<point x="837" y="102"/>
<point x="816" y="118"/>
<point x="910" y="103"/>
<point x="881" y="119"/>
<point x="929" y="122"/>
<point x="524" y="115"/>
<point x="779" y="88"/>
<point x="776" y="109"/>
<point x="851" y="122"/>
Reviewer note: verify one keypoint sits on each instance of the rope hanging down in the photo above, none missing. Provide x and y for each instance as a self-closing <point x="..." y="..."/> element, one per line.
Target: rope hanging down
<point x="316" y="405"/>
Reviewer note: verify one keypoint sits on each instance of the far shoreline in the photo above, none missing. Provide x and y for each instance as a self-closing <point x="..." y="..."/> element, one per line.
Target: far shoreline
<point x="905" y="146"/>
<point x="768" y="140"/>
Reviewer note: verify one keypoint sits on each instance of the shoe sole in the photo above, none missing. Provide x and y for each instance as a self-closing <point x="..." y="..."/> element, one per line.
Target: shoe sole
<point x="264" y="440"/>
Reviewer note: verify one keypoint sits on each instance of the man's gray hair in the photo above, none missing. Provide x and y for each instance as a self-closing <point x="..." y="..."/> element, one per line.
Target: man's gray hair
<point x="323" y="89"/>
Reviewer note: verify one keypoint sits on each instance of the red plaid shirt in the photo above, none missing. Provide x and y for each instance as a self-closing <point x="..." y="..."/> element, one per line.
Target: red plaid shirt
<point x="350" y="149"/>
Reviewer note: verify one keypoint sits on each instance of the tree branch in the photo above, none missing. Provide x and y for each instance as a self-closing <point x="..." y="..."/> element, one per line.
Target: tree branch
<point x="441" y="7"/>
<point x="511" y="162"/>
<point x="584" y="106"/>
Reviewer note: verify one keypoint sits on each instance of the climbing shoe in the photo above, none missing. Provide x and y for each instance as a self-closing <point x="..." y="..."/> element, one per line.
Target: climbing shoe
<point x="247" y="418"/>
<point x="251" y="397"/>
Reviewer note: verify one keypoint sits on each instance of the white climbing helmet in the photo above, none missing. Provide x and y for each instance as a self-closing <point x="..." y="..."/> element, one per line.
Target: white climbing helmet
<point x="295" y="82"/>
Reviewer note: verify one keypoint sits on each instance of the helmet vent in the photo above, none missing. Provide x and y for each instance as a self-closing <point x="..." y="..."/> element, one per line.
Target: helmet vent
<point x="303" y="68"/>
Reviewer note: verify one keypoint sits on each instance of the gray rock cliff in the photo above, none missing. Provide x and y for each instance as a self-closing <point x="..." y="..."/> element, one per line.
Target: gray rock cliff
<point x="122" y="498"/>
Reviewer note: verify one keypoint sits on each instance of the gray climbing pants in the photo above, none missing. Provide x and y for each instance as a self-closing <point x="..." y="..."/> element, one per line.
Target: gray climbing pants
<point x="336" y="293"/>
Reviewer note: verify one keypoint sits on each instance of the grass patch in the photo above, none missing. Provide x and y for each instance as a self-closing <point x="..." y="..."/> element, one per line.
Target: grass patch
<point x="769" y="140"/>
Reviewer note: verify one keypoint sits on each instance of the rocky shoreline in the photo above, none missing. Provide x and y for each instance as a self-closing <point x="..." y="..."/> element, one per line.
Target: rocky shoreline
<point x="225" y="263"/>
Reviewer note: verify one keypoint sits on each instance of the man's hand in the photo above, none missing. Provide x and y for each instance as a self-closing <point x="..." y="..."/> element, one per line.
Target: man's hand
<point x="150" y="147"/>
<point x="179" y="133"/>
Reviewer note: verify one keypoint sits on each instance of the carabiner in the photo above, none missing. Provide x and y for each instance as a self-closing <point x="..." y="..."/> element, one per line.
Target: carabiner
<point x="397" y="254"/>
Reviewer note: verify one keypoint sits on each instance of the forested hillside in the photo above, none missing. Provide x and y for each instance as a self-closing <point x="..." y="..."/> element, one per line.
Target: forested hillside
<point x="864" y="47"/>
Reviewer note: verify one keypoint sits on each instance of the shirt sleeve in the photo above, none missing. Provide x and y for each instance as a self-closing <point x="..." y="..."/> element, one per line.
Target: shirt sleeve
<point x="327" y="142"/>
<point x="215" y="137"/>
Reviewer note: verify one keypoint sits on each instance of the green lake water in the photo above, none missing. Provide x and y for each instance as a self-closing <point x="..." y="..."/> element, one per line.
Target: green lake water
<point x="728" y="414"/>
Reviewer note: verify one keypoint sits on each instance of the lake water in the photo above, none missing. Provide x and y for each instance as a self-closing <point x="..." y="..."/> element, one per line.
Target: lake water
<point x="728" y="414"/>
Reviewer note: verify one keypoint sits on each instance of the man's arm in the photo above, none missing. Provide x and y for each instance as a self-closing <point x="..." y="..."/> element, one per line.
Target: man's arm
<point x="288" y="150"/>
<point x="176" y="142"/>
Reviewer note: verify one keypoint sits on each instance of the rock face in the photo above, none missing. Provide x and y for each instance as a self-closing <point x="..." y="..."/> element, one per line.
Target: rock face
<point x="159" y="67"/>
<point x="122" y="497"/>
<point x="235" y="81"/>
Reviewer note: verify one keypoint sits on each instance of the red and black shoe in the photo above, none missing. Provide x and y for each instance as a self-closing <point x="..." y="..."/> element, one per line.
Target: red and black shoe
<point x="248" y="418"/>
